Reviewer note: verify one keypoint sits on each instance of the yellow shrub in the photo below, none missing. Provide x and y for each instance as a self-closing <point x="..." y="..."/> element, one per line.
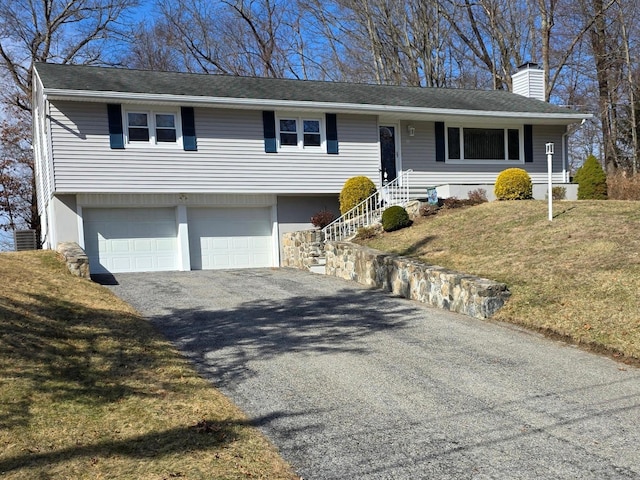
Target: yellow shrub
<point x="513" y="184"/>
<point x="354" y="191"/>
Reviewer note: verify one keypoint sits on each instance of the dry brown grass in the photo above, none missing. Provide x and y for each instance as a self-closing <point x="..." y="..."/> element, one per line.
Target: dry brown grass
<point x="621" y="186"/>
<point x="89" y="390"/>
<point x="577" y="277"/>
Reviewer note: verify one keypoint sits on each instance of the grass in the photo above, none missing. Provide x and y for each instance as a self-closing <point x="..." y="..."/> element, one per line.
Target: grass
<point x="577" y="277"/>
<point x="89" y="390"/>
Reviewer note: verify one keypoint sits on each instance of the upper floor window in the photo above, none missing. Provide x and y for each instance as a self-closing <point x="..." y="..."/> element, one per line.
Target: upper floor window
<point x="150" y="127"/>
<point x="166" y="128"/>
<point x="300" y="132"/>
<point x="288" y="131"/>
<point x="484" y="144"/>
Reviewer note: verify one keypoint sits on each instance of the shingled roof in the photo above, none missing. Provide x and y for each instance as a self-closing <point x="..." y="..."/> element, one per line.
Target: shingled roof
<point x="58" y="79"/>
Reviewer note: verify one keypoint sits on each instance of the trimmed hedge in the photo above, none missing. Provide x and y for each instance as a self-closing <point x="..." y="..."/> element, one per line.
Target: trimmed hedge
<point x="354" y="191"/>
<point x="513" y="184"/>
<point x="395" y="218"/>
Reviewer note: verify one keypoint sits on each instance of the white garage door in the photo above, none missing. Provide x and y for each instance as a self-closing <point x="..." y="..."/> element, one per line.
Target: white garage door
<point x="130" y="239"/>
<point x="230" y="238"/>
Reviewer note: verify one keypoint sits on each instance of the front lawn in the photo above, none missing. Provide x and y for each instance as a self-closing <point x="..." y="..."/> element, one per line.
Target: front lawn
<point x="89" y="390"/>
<point x="577" y="277"/>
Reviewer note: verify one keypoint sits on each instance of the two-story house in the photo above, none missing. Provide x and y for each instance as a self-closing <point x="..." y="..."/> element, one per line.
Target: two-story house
<point x="175" y="171"/>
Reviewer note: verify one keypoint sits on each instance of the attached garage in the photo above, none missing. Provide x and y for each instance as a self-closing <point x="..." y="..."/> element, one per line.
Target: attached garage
<point x="181" y="237"/>
<point x="130" y="239"/>
<point x="234" y="237"/>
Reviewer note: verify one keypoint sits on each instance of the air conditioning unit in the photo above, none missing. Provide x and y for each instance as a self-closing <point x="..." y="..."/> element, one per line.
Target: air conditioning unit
<point x="24" y="240"/>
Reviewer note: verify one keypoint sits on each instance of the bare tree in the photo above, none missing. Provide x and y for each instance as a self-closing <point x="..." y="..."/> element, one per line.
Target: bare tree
<point x="155" y="47"/>
<point x="629" y="42"/>
<point x="62" y="31"/>
<point x="237" y="37"/>
<point x="17" y="187"/>
<point x="604" y="41"/>
<point x="562" y="30"/>
<point x="493" y="34"/>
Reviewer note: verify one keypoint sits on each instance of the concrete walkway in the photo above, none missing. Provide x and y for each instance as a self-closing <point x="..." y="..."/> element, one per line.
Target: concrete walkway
<point x="352" y="383"/>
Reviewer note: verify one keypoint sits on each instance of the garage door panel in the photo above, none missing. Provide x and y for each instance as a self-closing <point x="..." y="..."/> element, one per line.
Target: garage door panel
<point x="131" y="239"/>
<point x="230" y="238"/>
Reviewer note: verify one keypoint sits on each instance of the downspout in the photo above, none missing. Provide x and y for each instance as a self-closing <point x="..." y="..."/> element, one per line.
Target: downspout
<point x="565" y="160"/>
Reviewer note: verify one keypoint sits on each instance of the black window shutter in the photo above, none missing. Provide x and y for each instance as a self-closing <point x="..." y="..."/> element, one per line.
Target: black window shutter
<point x="528" y="144"/>
<point x="116" y="134"/>
<point x="332" y="133"/>
<point x="440" y="146"/>
<point x="269" y="127"/>
<point x="189" y="140"/>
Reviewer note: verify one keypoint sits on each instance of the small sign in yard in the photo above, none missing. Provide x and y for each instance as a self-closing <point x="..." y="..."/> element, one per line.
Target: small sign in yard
<point x="432" y="196"/>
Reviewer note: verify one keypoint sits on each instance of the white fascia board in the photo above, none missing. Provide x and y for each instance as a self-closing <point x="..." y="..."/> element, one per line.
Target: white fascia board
<point x="335" y="107"/>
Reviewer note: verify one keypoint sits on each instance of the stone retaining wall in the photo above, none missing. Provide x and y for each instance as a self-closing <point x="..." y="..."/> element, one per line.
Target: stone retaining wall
<point x="436" y="286"/>
<point x="302" y="249"/>
<point x="75" y="258"/>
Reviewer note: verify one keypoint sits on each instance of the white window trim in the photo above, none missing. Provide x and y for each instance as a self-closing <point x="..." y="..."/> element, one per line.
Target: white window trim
<point x="506" y="128"/>
<point x="300" y="119"/>
<point x="151" y="117"/>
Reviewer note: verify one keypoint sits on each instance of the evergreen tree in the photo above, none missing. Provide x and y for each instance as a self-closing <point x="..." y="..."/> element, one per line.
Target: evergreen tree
<point x="591" y="180"/>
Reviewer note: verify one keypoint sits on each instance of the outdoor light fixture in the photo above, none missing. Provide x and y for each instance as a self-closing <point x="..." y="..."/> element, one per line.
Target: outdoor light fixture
<point x="549" y="151"/>
<point x="412" y="130"/>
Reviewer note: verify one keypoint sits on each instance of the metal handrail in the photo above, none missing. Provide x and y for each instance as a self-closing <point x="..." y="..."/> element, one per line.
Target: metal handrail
<point x="369" y="211"/>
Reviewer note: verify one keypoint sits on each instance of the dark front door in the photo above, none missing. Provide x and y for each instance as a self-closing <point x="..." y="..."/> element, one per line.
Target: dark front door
<point x="388" y="153"/>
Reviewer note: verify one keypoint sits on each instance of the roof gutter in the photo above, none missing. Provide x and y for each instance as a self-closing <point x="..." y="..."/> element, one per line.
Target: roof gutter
<point x="338" y="107"/>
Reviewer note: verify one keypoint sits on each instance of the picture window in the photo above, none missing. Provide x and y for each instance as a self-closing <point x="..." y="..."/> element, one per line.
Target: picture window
<point x="482" y="144"/>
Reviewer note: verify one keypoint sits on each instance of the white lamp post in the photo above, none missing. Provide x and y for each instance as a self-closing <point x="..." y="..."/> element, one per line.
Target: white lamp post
<point x="549" y="150"/>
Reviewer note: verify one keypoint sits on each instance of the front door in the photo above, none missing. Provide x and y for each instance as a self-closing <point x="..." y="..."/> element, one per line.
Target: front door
<point x="388" y="153"/>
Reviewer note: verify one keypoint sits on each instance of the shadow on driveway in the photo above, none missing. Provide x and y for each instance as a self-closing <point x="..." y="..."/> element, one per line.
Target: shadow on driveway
<point x="262" y="329"/>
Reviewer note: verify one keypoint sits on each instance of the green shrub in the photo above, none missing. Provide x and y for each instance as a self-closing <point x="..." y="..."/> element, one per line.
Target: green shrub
<point x="513" y="184"/>
<point x="354" y="191"/>
<point x="395" y="218"/>
<point x="591" y="180"/>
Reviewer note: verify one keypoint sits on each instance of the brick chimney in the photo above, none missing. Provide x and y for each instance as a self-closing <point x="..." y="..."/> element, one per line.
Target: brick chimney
<point x="529" y="81"/>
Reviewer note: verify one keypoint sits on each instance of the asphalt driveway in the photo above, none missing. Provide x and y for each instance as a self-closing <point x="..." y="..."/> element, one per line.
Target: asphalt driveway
<point x="352" y="383"/>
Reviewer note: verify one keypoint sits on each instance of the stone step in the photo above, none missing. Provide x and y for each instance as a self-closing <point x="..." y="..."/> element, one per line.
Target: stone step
<point x="320" y="269"/>
<point x="319" y="266"/>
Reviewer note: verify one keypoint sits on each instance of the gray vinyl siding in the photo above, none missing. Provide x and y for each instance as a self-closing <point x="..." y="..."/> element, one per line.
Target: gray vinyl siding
<point x="230" y="156"/>
<point x="418" y="153"/>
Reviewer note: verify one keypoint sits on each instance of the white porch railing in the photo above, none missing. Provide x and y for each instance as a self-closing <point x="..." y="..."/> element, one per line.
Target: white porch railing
<point x="370" y="210"/>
